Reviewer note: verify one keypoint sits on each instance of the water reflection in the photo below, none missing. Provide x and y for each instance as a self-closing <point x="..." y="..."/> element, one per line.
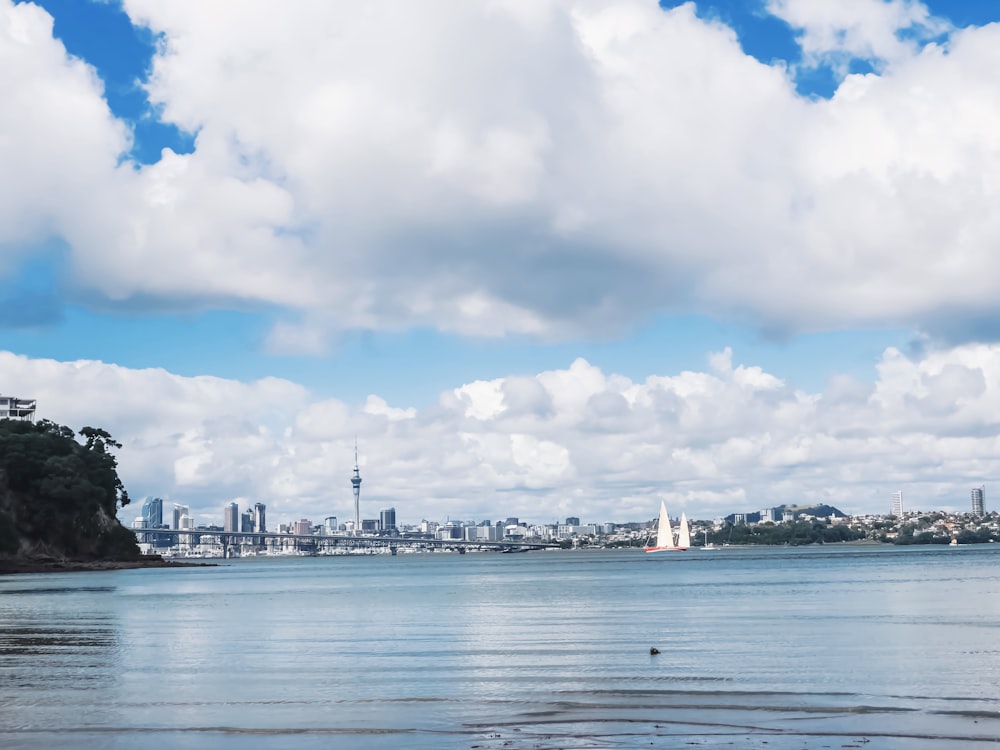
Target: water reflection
<point x="450" y="652"/>
<point x="60" y="648"/>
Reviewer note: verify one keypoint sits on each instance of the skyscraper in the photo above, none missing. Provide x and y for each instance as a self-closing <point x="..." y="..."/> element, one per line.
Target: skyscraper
<point x="356" y="484"/>
<point x="259" y="517"/>
<point x="387" y="519"/>
<point x="152" y="518"/>
<point x="897" y="503"/>
<point x="179" y="512"/>
<point x="231" y="518"/>
<point x="152" y="512"/>
<point x="979" y="501"/>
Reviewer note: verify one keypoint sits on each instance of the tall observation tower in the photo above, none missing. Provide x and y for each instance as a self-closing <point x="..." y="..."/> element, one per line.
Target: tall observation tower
<point x="356" y="483"/>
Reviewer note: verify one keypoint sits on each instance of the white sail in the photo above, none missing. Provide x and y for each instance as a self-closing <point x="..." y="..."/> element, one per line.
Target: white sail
<point x="664" y="535"/>
<point x="683" y="532"/>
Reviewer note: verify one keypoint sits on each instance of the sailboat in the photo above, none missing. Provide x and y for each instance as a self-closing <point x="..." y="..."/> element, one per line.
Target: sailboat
<point x="665" y="535"/>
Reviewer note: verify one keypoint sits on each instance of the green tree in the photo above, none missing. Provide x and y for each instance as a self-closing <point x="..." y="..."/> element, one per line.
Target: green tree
<point x="59" y="497"/>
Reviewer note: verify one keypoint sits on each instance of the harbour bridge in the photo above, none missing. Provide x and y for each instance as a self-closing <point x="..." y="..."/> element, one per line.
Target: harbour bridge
<point x="233" y="543"/>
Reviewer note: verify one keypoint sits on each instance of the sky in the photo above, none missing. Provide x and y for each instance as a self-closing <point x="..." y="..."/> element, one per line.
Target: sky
<point x="540" y="258"/>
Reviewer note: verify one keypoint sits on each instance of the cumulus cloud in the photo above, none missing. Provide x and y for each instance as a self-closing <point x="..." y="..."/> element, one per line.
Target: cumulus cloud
<point x="58" y="138"/>
<point x="575" y="441"/>
<point x="544" y="168"/>
<point x="877" y="31"/>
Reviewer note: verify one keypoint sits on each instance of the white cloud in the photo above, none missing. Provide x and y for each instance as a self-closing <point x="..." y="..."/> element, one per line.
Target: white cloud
<point x="873" y="30"/>
<point x="581" y="440"/>
<point x="550" y="168"/>
<point x="58" y="139"/>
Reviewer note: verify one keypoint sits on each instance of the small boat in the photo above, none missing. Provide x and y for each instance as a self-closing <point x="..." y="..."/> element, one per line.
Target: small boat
<point x="709" y="546"/>
<point x="665" y="535"/>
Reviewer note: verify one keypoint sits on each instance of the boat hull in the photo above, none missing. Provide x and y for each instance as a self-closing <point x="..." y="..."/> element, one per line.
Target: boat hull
<point x="664" y="549"/>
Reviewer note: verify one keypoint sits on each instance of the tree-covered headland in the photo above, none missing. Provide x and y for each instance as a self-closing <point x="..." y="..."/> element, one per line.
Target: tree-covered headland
<point x="792" y="533"/>
<point x="59" y="494"/>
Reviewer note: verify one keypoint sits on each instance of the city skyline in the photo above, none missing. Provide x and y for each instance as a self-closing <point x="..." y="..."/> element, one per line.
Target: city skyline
<point x="151" y="509"/>
<point x="572" y="257"/>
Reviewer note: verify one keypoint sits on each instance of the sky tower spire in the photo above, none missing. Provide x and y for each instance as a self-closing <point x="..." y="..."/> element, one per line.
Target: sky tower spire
<point x="356" y="483"/>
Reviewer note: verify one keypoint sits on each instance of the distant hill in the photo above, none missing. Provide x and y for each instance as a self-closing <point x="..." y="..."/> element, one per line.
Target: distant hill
<point x="59" y="497"/>
<point x="819" y="511"/>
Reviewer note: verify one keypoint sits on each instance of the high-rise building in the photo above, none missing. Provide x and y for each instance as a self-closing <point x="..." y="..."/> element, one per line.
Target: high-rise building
<point x="152" y="518"/>
<point x="979" y="501"/>
<point x="179" y="512"/>
<point x="897" y="503"/>
<point x="387" y="519"/>
<point x="572" y="521"/>
<point x="246" y="521"/>
<point x="330" y="523"/>
<point x="356" y="484"/>
<point x="231" y="518"/>
<point x="152" y="512"/>
<point x="259" y="517"/>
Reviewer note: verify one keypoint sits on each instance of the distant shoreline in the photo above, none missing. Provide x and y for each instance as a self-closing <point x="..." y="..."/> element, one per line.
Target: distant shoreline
<point x="13" y="567"/>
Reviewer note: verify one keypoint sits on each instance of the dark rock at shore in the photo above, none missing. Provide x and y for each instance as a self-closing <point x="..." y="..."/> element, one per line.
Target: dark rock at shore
<point x="53" y="565"/>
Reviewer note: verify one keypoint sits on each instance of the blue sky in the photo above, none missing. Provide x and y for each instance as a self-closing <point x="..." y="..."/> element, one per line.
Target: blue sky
<point x="573" y="181"/>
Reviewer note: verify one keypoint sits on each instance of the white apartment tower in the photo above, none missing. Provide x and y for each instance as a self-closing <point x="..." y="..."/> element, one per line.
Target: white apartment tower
<point x="979" y="501"/>
<point x="897" y="503"/>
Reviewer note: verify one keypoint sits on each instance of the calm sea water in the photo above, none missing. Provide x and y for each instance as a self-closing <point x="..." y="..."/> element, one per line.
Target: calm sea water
<point x="872" y="647"/>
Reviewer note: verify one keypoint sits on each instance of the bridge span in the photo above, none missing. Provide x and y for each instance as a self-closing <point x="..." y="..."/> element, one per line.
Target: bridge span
<point x="236" y="543"/>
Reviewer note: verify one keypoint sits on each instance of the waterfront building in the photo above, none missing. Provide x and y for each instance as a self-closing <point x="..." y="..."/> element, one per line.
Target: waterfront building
<point x="387" y="519"/>
<point x="302" y="528"/>
<point x="21" y="409"/>
<point x="897" y="504"/>
<point x="231" y="518"/>
<point x="369" y="525"/>
<point x="330" y="522"/>
<point x="356" y="486"/>
<point x="979" y="501"/>
<point x="185" y="522"/>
